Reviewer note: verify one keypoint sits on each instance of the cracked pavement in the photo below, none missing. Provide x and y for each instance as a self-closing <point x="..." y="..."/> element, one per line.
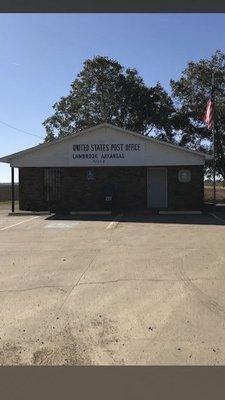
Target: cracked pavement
<point x="146" y="290"/>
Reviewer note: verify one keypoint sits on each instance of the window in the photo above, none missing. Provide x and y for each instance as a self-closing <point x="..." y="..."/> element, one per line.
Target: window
<point x="184" y="175"/>
<point x="52" y="184"/>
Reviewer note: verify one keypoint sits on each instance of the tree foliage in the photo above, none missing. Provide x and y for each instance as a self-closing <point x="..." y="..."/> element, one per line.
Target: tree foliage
<point x="104" y="91"/>
<point x="191" y="93"/>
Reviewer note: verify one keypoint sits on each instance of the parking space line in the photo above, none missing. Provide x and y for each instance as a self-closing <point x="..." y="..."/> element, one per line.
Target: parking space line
<point x="18" y="223"/>
<point x="114" y="223"/>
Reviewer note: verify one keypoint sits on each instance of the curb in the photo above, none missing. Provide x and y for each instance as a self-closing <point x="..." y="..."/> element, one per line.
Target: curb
<point x="20" y="214"/>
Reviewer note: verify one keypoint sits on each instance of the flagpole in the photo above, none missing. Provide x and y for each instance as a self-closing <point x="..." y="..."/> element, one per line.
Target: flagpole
<point x="213" y="143"/>
<point x="214" y="169"/>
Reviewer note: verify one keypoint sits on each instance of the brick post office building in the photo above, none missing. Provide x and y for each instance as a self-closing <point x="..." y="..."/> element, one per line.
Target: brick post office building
<point x="103" y="164"/>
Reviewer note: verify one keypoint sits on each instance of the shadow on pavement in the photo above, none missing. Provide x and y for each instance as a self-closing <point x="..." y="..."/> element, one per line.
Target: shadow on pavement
<point x="207" y="218"/>
<point x="82" y="217"/>
<point x="203" y="219"/>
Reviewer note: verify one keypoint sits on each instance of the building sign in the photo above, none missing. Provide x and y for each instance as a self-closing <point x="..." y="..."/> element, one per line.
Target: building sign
<point x="99" y="153"/>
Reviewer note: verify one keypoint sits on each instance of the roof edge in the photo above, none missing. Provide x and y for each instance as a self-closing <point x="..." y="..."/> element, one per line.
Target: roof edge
<point x="8" y="158"/>
<point x="55" y="141"/>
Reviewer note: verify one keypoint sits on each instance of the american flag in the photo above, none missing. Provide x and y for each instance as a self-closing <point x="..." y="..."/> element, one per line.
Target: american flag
<point x="209" y="114"/>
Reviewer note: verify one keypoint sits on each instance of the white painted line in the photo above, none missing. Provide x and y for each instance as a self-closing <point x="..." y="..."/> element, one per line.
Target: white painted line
<point x="113" y="224"/>
<point x="18" y="223"/>
<point x="219" y="219"/>
<point x="61" y="225"/>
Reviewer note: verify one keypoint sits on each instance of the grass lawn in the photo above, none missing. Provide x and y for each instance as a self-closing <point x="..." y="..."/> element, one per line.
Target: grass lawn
<point x="220" y="193"/>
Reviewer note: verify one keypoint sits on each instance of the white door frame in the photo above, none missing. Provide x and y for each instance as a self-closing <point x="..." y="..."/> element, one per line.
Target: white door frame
<point x="148" y="173"/>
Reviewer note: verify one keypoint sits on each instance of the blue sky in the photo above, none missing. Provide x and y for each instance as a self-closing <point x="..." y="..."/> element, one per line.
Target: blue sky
<point x="41" y="55"/>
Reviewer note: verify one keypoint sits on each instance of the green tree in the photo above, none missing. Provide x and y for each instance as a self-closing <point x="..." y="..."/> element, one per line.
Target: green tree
<point x="191" y="93"/>
<point x="104" y="91"/>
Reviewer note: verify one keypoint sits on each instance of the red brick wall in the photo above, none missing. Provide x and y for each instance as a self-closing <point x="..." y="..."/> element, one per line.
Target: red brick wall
<point x="79" y="193"/>
<point x="185" y="196"/>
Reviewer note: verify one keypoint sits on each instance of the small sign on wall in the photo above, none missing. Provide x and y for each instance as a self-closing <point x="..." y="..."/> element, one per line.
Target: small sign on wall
<point x="184" y="175"/>
<point x="90" y="175"/>
<point x="108" y="198"/>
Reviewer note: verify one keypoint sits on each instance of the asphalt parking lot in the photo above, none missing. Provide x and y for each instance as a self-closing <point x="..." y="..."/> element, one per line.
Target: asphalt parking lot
<point x="84" y="290"/>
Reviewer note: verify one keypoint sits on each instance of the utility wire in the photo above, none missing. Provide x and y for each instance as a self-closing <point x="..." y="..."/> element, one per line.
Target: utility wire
<point x="20" y="130"/>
